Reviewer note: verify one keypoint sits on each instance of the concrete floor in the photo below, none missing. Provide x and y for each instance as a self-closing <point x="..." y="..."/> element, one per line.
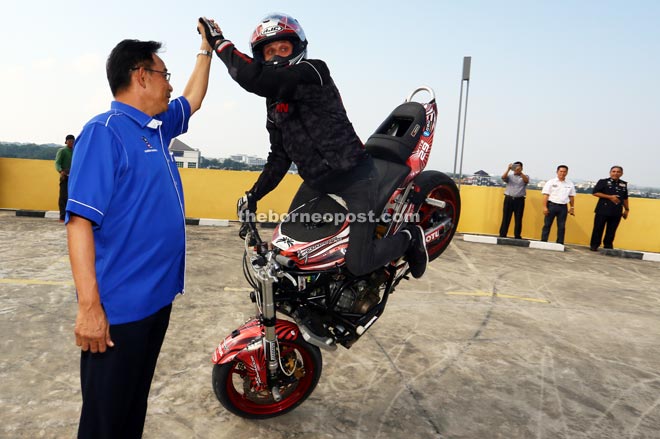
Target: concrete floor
<point x="494" y="342"/>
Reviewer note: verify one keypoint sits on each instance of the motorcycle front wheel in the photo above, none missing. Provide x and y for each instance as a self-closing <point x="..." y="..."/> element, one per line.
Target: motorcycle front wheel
<point x="438" y="186"/>
<point x="236" y="389"/>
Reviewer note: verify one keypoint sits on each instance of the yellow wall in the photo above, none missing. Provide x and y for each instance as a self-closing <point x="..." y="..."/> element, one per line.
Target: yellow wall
<point x="33" y="184"/>
<point x="28" y="184"/>
<point x="482" y="214"/>
<point x="210" y="193"/>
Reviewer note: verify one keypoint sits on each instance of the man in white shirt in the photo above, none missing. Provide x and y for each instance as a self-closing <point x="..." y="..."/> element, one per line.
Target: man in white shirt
<point x="558" y="194"/>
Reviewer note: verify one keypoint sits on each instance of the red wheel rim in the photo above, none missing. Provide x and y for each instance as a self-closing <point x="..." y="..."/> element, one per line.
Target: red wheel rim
<point x="241" y="402"/>
<point x="426" y="213"/>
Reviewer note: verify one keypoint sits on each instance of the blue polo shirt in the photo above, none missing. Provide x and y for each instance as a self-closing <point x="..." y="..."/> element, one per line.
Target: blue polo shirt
<point x="125" y="181"/>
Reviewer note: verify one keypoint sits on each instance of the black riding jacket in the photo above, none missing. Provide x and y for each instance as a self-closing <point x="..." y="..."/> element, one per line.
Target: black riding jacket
<point x="306" y="118"/>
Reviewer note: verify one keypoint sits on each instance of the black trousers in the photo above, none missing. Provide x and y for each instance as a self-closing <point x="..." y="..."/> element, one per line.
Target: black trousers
<point x="512" y="207"/>
<point x="115" y="384"/>
<point x="600" y="224"/>
<point x="64" y="195"/>
<point x="358" y="188"/>
<point x="559" y="211"/>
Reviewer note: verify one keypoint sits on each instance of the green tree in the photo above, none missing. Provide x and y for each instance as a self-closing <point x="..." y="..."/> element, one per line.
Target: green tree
<point x="28" y="151"/>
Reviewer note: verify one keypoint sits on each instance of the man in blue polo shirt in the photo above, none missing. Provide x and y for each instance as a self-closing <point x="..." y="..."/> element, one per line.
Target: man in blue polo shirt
<point x="126" y="234"/>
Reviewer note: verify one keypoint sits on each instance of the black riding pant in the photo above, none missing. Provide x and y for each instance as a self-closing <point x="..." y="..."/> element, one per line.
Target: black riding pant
<point x="358" y="189"/>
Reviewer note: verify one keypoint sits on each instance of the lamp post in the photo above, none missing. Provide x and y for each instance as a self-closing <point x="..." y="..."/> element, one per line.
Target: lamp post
<point x="465" y="79"/>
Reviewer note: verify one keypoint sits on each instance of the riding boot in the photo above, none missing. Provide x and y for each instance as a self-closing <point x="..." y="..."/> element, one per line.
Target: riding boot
<point x="416" y="255"/>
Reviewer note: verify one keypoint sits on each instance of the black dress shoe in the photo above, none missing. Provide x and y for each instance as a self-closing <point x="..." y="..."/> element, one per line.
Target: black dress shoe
<point x="593" y="249"/>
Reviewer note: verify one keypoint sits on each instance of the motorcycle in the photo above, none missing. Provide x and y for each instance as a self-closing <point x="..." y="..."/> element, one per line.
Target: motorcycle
<point x="306" y="300"/>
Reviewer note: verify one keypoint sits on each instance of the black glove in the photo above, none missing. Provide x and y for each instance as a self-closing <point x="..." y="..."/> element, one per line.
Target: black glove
<point x="212" y="31"/>
<point x="246" y="206"/>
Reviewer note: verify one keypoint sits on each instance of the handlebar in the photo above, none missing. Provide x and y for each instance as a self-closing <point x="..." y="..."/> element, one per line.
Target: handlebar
<point x="255" y="234"/>
<point x="249" y="230"/>
<point x="284" y="261"/>
<point x="251" y="235"/>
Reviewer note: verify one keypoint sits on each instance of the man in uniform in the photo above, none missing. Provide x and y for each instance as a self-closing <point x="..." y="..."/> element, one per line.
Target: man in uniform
<point x="612" y="194"/>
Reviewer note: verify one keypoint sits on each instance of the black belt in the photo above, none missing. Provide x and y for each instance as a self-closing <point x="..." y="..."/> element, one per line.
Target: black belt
<point x="513" y="198"/>
<point x="557" y="204"/>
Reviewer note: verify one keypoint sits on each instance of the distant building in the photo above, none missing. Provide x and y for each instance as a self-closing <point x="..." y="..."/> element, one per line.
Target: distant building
<point x="248" y="159"/>
<point x="481" y="178"/>
<point x="585" y="185"/>
<point x="185" y="156"/>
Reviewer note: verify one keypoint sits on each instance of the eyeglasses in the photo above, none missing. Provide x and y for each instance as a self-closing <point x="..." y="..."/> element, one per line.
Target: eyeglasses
<point x="166" y="75"/>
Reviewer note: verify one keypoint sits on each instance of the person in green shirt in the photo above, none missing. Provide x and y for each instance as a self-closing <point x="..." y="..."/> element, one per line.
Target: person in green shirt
<point x="63" y="165"/>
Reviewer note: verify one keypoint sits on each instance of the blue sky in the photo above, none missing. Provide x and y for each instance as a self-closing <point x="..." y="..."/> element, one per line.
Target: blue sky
<point x="553" y="82"/>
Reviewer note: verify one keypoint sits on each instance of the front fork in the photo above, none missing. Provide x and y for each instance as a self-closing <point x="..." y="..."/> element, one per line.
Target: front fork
<point x="267" y="279"/>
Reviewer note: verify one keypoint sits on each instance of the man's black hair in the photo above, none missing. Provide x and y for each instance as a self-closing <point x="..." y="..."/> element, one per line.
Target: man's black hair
<point x="126" y="56"/>
<point x="562" y="166"/>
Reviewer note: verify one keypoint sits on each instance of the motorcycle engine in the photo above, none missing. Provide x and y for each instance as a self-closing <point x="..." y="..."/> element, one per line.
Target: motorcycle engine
<point x="362" y="295"/>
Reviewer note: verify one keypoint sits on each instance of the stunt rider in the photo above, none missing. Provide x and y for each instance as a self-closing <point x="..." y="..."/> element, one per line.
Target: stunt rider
<point x="308" y="125"/>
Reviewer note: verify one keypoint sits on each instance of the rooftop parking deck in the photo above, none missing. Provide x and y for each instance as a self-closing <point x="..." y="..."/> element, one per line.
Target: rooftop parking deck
<point x="494" y="342"/>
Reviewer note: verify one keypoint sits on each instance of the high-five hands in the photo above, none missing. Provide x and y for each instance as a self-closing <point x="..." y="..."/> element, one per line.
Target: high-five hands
<point x="212" y="31"/>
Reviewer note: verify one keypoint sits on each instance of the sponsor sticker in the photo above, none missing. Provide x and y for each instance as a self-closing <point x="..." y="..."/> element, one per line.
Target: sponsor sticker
<point x="271" y="30"/>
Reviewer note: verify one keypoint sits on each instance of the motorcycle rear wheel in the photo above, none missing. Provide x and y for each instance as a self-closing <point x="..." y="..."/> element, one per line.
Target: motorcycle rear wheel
<point x="234" y="388"/>
<point x="439" y="186"/>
